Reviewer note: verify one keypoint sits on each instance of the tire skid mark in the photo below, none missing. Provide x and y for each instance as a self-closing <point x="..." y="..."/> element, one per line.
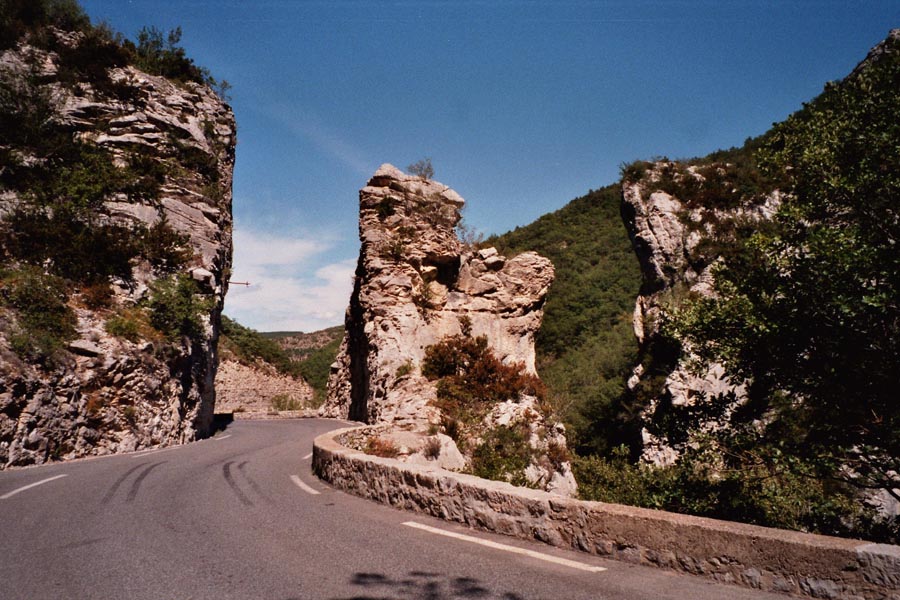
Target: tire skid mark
<point x="229" y="479"/>
<point x="115" y="486"/>
<point x="255" y="486"/>
<point x="136" y="484"/>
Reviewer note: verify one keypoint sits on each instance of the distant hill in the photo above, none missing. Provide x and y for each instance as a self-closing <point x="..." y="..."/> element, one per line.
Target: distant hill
<point x="300" y="346"/>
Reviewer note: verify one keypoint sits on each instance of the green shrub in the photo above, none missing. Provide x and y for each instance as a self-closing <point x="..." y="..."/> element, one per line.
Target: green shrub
<point x="176" y="307"/>
<point x="282" y="402"/>
<point x="503" y="455"/>
<point x="405" y="369"/>
<point x="161" y="55"/>
<point x="386" y="208"/>
<point x="45" y="322"/>
<point x="764" y="487"/>
<point x="165" y="249"/>
<point x="131" y="324"/>
<point x="69" y="245"/>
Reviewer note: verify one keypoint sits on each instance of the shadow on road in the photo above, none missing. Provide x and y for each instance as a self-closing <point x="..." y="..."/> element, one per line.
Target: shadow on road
<point x="420" y="585"/>
<point x="220" y="422"/>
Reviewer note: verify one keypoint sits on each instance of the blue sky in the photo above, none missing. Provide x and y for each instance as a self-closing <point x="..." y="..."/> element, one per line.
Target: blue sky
<point x="522" y="106"/>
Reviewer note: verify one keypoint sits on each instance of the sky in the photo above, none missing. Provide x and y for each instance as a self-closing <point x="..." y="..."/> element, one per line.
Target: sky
<point x="521" y="106"/>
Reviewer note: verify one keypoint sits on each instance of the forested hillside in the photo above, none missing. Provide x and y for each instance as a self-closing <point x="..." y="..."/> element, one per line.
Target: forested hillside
<point x="770" y="324"/>
<point x="586" y="347"/>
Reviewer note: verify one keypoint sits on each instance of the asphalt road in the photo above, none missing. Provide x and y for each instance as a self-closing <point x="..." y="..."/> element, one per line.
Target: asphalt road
<point x="241" y="516"/>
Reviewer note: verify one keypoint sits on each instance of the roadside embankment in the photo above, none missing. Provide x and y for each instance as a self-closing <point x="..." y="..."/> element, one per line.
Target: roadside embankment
<point x="757" y="557"/>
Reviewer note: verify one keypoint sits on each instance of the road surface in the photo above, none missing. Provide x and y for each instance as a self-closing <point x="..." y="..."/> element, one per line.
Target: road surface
<point x="240" y="516"/>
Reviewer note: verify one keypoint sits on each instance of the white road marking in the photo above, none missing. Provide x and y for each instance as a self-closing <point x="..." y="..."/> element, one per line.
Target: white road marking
<point x="29" y="486"/>
<point x="222" y="437"/>
<point x="515" y="550"/>
<point x="308" y="456"/>
<point x="303" y="486"/>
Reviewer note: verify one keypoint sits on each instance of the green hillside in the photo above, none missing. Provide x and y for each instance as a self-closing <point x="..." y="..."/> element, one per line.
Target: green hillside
<point x="585" y="346"/>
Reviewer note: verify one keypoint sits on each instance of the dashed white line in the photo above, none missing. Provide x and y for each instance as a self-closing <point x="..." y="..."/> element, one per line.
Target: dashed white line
<point x="513" y="549"/>
<point x="308" y="456"/>
<point x="304" y="487"/>
<point x="29" y="486"/>
<point x="222" y="437"/>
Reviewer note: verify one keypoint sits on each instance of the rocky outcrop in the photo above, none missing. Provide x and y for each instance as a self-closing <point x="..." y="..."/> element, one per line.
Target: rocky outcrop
<point x="109" y="393"/>
<point x="417" y="284"/>
<point x="258" y="388"/>
<point x="667" y="234"/>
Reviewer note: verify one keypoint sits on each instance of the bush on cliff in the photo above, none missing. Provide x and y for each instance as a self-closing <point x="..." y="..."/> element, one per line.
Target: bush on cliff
<point x="43" y="322"/>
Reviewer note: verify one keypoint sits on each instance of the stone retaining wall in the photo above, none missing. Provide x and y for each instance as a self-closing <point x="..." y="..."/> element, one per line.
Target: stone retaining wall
<point x="758" y="557"/>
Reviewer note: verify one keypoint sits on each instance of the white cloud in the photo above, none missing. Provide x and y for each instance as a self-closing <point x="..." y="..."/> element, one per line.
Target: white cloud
<point x="287" y="291"/>
<point x="258" y="250"/>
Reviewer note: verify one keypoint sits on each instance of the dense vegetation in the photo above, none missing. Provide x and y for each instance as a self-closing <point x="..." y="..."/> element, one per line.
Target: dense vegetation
<point x="807" y="312"/>
<point x="316" y="366"/>
<point x="805" y="315"/>
<point x="250" y="346"/>
<point x="586" y="346"/>
<point x="153" y="51"/>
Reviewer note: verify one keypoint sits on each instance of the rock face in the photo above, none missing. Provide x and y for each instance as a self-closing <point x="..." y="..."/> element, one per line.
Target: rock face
<point x="667" y="234"/>
<point x="417" y="284"/>
<point x="109" y="394"/>
<point x="252" y="388"/>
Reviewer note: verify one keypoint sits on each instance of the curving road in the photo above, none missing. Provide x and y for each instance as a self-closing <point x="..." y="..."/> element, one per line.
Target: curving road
<point x="241" y="516"/>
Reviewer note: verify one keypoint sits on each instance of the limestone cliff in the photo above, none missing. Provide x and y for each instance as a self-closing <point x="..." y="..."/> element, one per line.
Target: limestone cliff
<point x="671" y="236"/>
<point x="129" y="375"/>
<point x="417" y="284"/>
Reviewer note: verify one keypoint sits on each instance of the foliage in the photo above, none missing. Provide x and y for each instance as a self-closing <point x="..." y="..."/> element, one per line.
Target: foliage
<point x="405" y="369"/>
<point x="471" y="378"/>
<point x="100" y="48"/>
<point x="383" y="447"/>
<point x="503" y="455"/>
<point x="422" y="169"/>
<point x="45" y="322"/>
<point x="164" y="248"/>
<point x="808" y="313"/>
<point x="282" y="402"/>
<point x="127" y="324"/>
<point x="432" y="448"/>
<point x="249" y="346"/>
<point x="316" y="367"/>
<point x="160" y="54"/>
<point x="470" y="381"/>
<point x="761" y="487"/>
<point x="18" y="17"/>
<point x="586" y="346"/>
<point x="177" y="308"/>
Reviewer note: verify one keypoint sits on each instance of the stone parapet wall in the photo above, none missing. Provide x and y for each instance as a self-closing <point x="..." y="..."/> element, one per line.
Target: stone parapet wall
<point x="757" y="557"/>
